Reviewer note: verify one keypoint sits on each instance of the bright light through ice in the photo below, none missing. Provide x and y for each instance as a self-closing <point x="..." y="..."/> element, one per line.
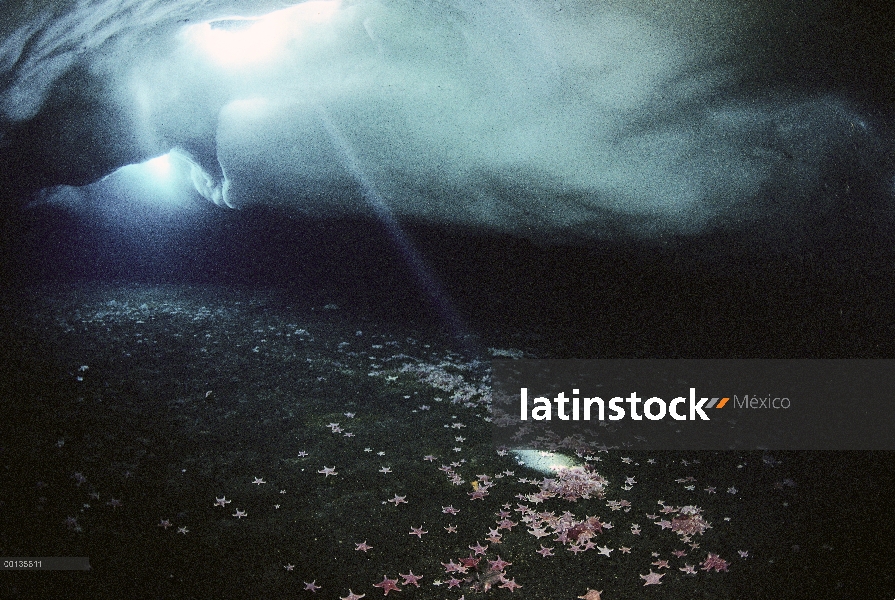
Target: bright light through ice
<point x="161" y="182"/>
<point x="160" y="166"/>
<point x="261" y="38"/>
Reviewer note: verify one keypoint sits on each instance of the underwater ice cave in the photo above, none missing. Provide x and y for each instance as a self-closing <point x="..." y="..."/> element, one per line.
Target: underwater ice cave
<point x="259" y="261"/>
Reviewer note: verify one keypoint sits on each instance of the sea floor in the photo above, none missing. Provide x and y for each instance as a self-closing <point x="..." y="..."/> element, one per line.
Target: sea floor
<point x="201" y="442"/>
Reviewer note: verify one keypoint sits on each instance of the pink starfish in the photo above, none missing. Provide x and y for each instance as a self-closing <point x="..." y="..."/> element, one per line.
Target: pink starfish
<point x="449" y="510"/>
<point x="450" y="567"/>
<point x="410" y="578"/>
<point x="478" y="548"/>
<point x="506" y="524"/>
<point x="398" y="500"/>
<point x="363" y="546"/>
<point x="470" y="562"/>
<point x="352" y="596"/>
<point x="327" y="471"/>
<point x="652" y="578"/>
<point x="510" y="584"/>
<point x="312" y="587"/>
<point x="417" y="531"/>
<point x="387" y="585"/>
<point x="499" y="564"/>
<point x="713" y="561"/>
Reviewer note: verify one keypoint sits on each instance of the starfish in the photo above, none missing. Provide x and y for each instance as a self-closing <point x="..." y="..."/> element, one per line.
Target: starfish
<point x="506" y="524"/>
<point x="398" y="500"/>
<point x="363" y="546"/>
<point x="165" y="524"/>
<point x="240" y="514"/>
<point x="713" y="561"/>
<point x="499" y="564"/>
<point x="385" y="470"/>
<point x="452" y="566"/>
<point x="605" y="550"/>
<point x="510" y="584"/>
<point x="312" y="587"/>
<point x="410" y="578"/>
<point x="591" y="595"/>
<point x="544" y="551"/>
<point x="352" y="596"/>
<point x="449" y="510"/>
<point x="183" y="530"/>
<point x="387" y="585"/>
<point x="417" y="531"/>
<point x="652" y="578"/>
<point x="327" y="471"/>
<point x="478" y="548"/>
<point x="221" y="501"/>
<point x="289" y="567"/>
<point x="258" y="481"/>
<point x="429" y="457"/>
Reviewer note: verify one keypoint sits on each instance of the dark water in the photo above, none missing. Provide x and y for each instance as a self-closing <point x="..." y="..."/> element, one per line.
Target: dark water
<point x="130" y="405"/>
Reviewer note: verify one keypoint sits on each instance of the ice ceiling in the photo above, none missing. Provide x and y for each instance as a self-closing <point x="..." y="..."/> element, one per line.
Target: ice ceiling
<point x="528" y="117"/>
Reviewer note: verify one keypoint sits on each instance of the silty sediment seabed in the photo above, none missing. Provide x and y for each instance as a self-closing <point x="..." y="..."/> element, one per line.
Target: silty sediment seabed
<point x="215" y="442"/>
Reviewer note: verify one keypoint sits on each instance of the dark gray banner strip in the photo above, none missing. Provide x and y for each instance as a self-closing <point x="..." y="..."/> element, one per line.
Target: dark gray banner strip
<point x="695" y="404"/>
